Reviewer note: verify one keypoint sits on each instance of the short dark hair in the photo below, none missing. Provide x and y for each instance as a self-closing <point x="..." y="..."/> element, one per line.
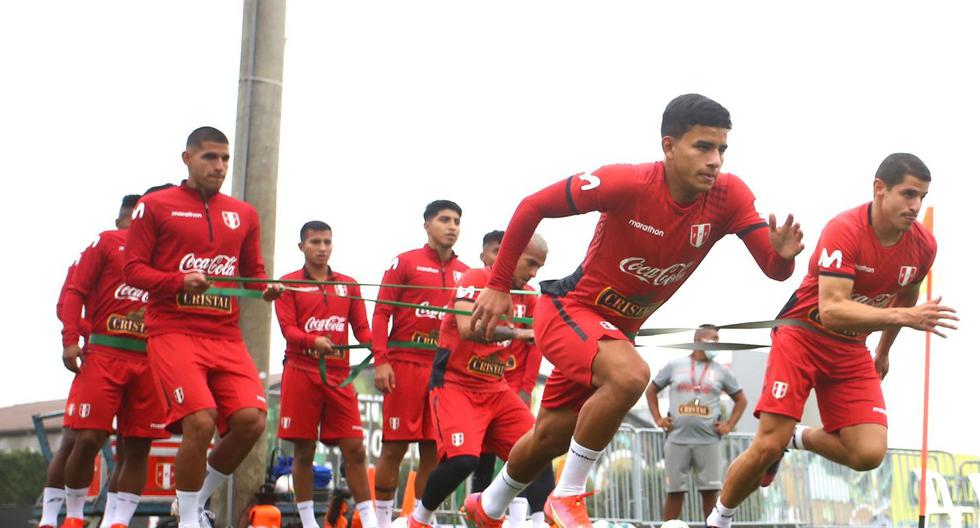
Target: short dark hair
<point x="708" y="326"/>
<point x="156" y="188"/>
<point x="206" y="133"/>
<point x="129" y="201"/>
<point x="313" y="225"/>
<point x="433" y="209"/>
<point x="893" y="169"/>
<point x="688" y="110"/>
<point x="493" y="236"/>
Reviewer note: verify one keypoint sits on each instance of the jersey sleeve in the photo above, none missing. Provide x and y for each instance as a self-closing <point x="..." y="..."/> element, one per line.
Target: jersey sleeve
<point x="395" y="274"/>
<point x="602" y="190"/>
<point x="289" y="325"/>
<point x="60" y="307"/>
<point x="662" y="379"/>
<point x="532" y="365"/>
<point x="469" y="285"/>
<point x="837" y="249"/>
<point x="83" y="283"/>
<point x="928" y="256"/>
<point x="358" y="316"/>
<point x="743" y="217"/>
<point x="729" y="383"/>
<point x="141" y="240"/>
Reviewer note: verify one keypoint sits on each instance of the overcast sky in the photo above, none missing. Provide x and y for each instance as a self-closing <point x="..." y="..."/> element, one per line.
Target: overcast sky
<point x="388" y="105"/>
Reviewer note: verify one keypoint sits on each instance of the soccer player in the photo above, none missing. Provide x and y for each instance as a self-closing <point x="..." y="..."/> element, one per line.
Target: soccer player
<point x="114" y="379"/>
<point x="54" y="490"/>
<point x="659" y="220"/>
<point x="471" y="402"/>
<point x="314" y="324"/>
<point x="401" y="368"/>
<point x="178" y="237"/>
<point x="491" y="246"/>
<point x="864" y="276"/>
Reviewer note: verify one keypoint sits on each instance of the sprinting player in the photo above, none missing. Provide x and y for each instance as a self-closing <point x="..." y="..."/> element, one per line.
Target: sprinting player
<point x="864" y="276"/>
<point x="472" y="404"/>
<point x="178" y="237"/>
<point x="658" y="222"/>
<point x="401" y="368"/>
<point x="314" y="324"/>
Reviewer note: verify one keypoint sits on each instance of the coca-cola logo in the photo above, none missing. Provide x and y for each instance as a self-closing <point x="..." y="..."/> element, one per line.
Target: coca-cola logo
<point x="220" y="265"/>
<point x="637" y="267"/>
<point x="125" y="292"/>
<point x="879" y="301"/>
<point x="423" y="313"/>
<point x="334" y="323"/>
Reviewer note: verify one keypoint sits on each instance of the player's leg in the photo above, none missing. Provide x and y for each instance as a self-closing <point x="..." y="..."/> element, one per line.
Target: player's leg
<point x="303" y="453"/>
<point x="386" y="478"/>
<point x="678" y="459"/>
<point x="428" y="460"/>
<point x="80" y="468"/>
<point x="355" y="467"/>
<point x="860" y="447"/>
<point x="53" y="496"/>
<point x="484" y="472"/>
<point x="112" y="486"/>
<point x="537" y="494"/>
<point x="404" y="410"/>
<point x="132" y="470"/>
<point x="342" y="426"/>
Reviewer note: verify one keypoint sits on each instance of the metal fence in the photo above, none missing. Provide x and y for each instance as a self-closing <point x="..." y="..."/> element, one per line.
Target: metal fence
<point x="808" y="489"/>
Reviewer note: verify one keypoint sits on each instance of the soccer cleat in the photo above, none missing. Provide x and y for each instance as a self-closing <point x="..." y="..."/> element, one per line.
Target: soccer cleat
<point x="205" y="518"/>
<point x="118" y="525"/>
<point x="770" y="474"/>
<point x="717" y="520"/>
<point x="567" y="512"/>
<point x="412" y="523"/>
<point x="476" y="515"/>
<point x="73" y="522"/>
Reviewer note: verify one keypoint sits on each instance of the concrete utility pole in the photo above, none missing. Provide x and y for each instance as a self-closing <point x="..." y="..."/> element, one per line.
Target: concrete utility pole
<point x="255" y="171"/>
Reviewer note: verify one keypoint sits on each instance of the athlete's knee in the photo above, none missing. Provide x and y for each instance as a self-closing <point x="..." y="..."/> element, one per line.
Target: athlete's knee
<point x="551" y="443"/>
<point x="631" y="376"/>
<point x="768" y="448"/>
<point x="866" y="458"/>
<point x="199" y="424"/>
<point x="303" y="453"/>
<point x="89" y="441"/>
<point x="248" y="422"/>
<point x="353" y="453"/>
<point x="393" y="451"/>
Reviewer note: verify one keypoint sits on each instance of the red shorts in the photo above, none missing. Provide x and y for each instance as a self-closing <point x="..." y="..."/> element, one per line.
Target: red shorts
<point x="116" y="383"/>
<point x="406" y="409"/>
<point x="471" y="423"/>
<point x="843" y="374"/>
<point x="69" y="417"/>
<point x="197" y="373"/>
<point x="307" y="405"/>
<point x="568" y="334"/>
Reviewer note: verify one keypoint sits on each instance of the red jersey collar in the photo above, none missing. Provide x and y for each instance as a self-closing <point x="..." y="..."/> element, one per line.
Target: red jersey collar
<point x="306" y="273"/>
<point x="194" y="192"/>
<point x="434" y="255"/>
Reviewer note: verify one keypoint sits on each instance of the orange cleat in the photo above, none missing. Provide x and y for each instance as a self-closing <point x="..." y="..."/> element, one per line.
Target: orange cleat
<point x="73" y="522"/>
<point x="567" y="512"/>
<point x="118" y="525"/>
<point x="476" y="515"/>
<point x="412" y="523"/>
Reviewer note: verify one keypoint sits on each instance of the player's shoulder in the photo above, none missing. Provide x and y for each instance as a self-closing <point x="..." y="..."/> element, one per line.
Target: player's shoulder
<point x="113" y="234"/>
<point x="236" y="205"/>
<point x="475" y="277"/>
<point x="630" y="172"/>
<point x="923" y="237"/>
<point x="341" y="277"/>
<point x="294" y="275"/>
<point x="459" y="265"/>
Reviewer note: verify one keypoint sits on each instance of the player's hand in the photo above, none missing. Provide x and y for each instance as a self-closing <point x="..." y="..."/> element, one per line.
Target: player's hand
<point x="384" y="378"/>
<point x="930" y="316"/>
<point x="666" y="423"/>
<point x="787" y="239"/>
<point x="488" y="308"/>
<point x="323" y="345"/>
<point x="722" y="428"/>
<point x="71" y="357"/>
<point x="881" y="365"/>
<point x="194" y="283"/>
<point x="272" y="292"/>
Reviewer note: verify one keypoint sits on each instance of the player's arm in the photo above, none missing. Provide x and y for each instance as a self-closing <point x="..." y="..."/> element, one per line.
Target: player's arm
<point x="838" y="312"/>
<point x="741" y="402"/>
<point x="661" y="380"/>
<point x="358" y="317"/>
<point x="288" y="323"/>
<point x="775" y="249"/>
<point x="906" y="297"/>
<point x="600" y="190"/>
<point x="478" y="335"/>
<point x="60" y="307"/>
<point x="82" y="284"/>
<point x="395" y="274"/>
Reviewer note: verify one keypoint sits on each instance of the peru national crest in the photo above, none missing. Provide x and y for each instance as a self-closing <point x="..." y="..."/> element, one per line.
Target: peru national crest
<point x="699" y="234"/>
<point x="231" y="219"/>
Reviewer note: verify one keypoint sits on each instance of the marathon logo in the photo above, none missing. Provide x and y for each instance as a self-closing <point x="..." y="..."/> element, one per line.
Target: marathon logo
<point x="489" y="367"/>
<point x="203" y="301"/>
<point x="427" y="339"/>
<point x="131" y="323"/>
<point x="619" y="303"/>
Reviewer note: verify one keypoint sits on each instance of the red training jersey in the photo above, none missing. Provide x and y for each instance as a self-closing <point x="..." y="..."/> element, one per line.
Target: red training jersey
<point x="84" y="325"/>
<point x="525" y="358"/>
<point x="645" y="244"/>
<point x="177" y="231"/>
<point x="478" y="367"/>
<point x="418" y="267"/>
<point x="115" y="308"/>
<point x="324" y="311"/>
<point x="849" y="248"/>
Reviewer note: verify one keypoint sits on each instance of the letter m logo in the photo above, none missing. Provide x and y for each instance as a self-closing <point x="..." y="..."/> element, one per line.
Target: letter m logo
<point x="833" y="259"/>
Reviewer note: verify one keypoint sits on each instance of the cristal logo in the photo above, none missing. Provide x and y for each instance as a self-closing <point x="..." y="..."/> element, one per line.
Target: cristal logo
<point x="637" y="267"/>
<point x="422" y="313"/>
<point x="126" y="292"/>
<point x="334" y="323"/>
<point x="222" y="265"/>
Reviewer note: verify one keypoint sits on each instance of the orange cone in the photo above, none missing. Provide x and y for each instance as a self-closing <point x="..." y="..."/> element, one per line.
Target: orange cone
<point x="408" y="502"/>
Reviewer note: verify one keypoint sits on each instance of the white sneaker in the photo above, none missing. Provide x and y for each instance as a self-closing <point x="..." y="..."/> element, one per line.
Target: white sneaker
<point x="206" y="519"/>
